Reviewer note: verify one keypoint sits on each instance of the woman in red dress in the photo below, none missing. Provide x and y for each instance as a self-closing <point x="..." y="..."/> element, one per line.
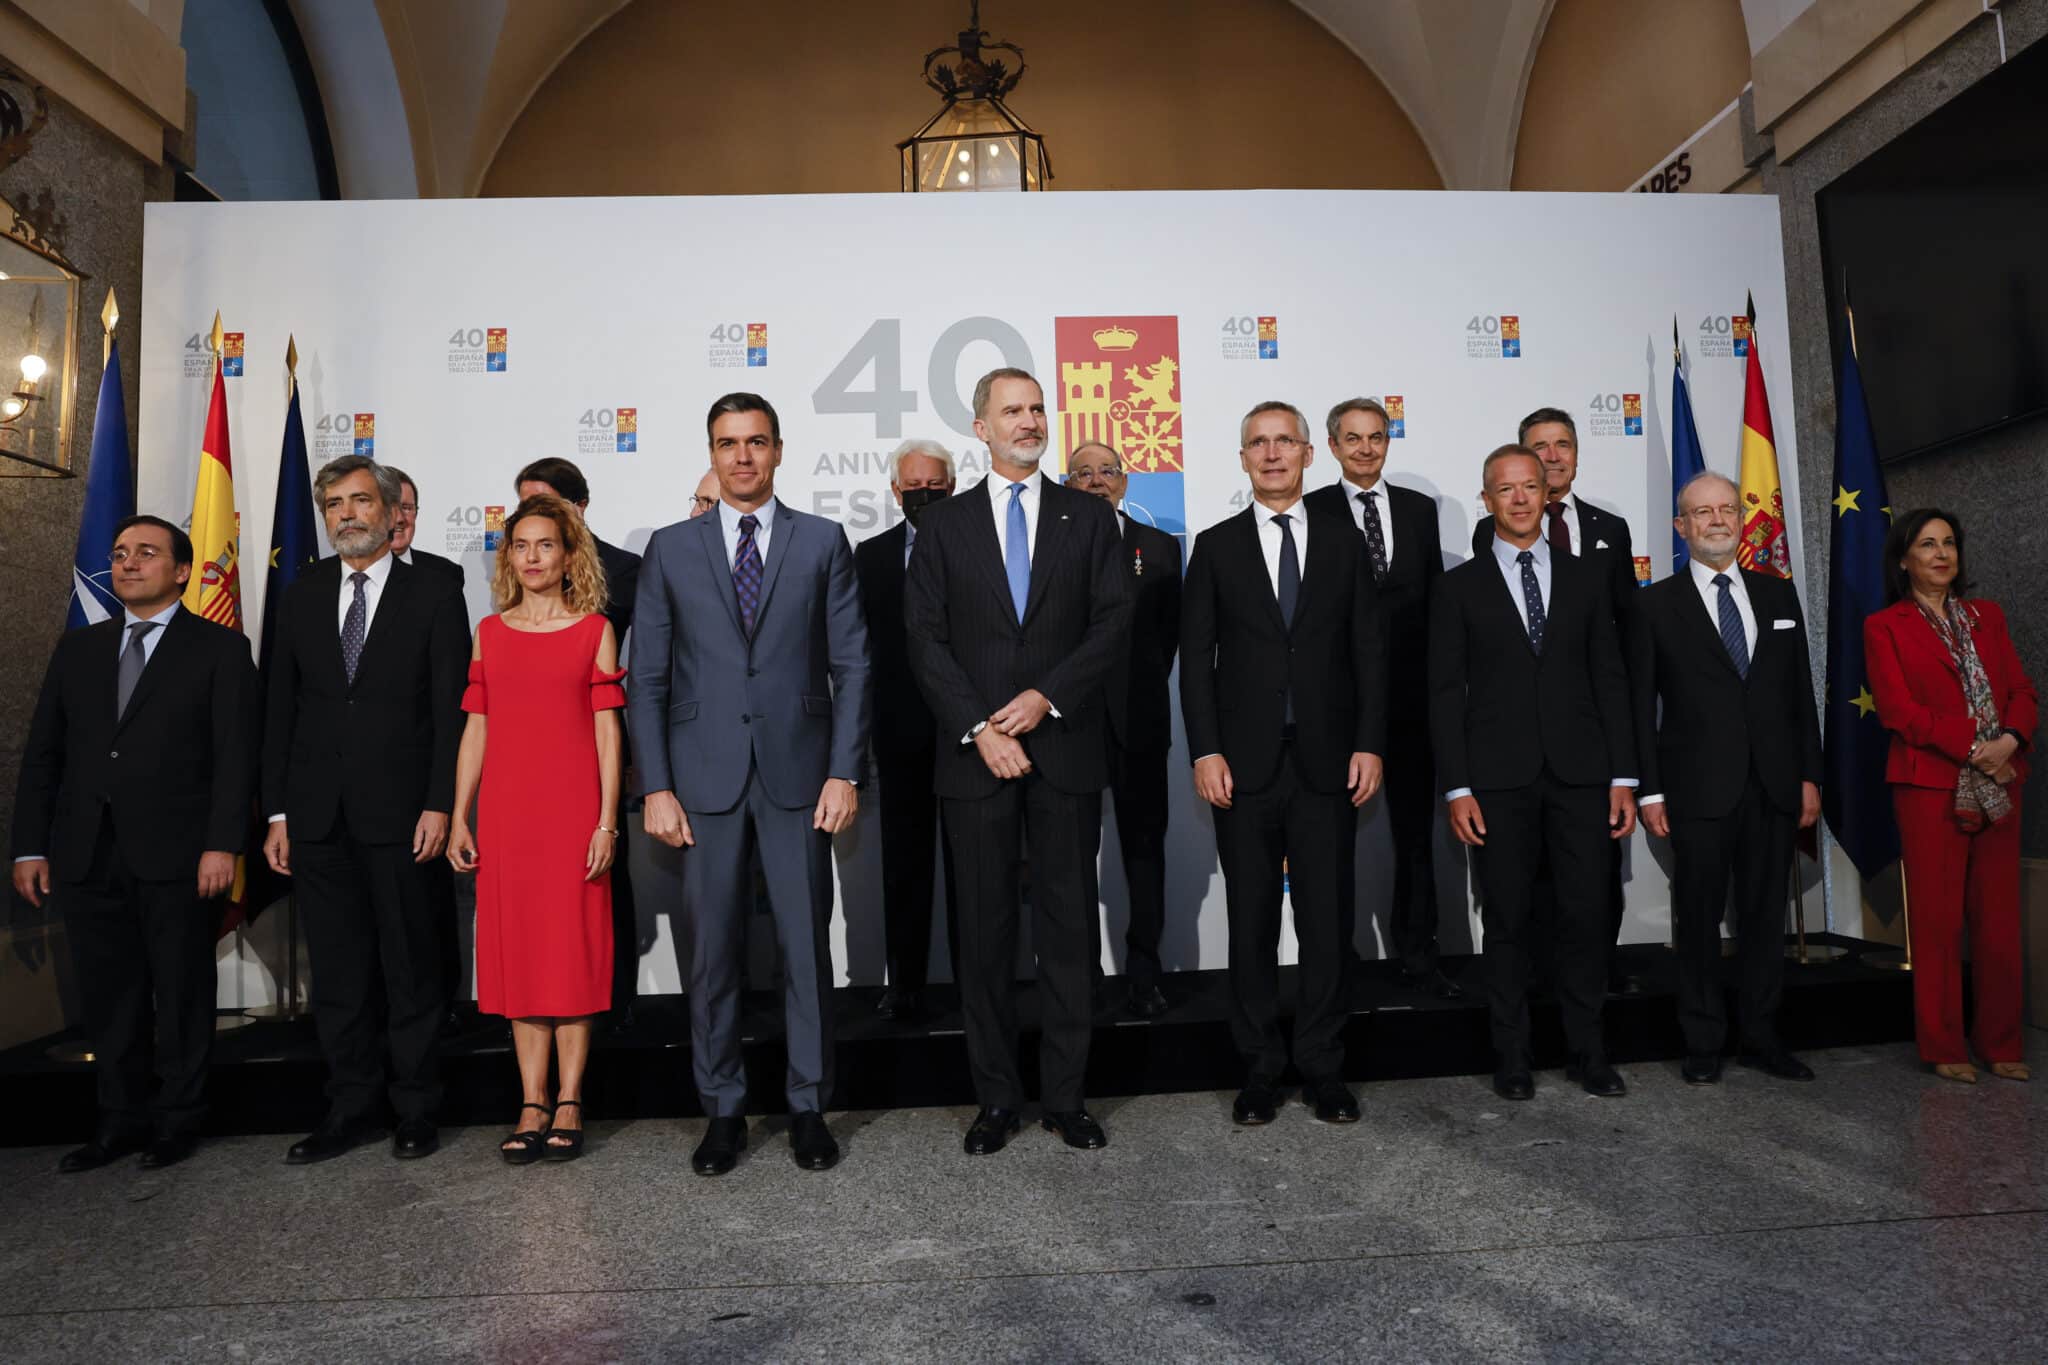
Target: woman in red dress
<point x="1949" y="686"/>
<point x="540" y="756"/>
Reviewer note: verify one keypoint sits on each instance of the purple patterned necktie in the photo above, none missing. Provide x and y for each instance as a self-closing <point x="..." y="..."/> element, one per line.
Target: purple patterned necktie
<point x="746" y="573"/>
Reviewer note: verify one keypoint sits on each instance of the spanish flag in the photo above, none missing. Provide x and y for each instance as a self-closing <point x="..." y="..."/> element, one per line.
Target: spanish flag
<point x="1764" y="546"/>
<point x="215" y="590"/>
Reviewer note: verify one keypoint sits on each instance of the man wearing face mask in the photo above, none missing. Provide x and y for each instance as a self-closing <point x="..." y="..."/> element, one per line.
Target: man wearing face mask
<point x="905" y="739"/>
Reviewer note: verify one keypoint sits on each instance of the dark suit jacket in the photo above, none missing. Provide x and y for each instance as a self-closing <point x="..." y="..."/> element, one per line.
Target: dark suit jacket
<point x="1136" y="690"/>
<point x="1498" y="713"/>
<point x="1920" y="698"/>
<point x="1604" y="540"/>
<point x="422" y="559"/>
<point x="903" y="723"/>
<point x="1715" y="725"/>
<point x="381" y="750"/>
<point x="1239" y="658"/>
<point x="176" y="769"/>
<point x="621" y="583"/>
<point x="1404" y="594"/>
<point x="971" y="655"/>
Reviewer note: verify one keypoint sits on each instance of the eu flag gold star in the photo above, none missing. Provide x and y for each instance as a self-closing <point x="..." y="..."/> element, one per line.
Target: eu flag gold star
<point x="1863" y="702"/>
<point x="1845" y="501"/>
<point x="275" y="551"/>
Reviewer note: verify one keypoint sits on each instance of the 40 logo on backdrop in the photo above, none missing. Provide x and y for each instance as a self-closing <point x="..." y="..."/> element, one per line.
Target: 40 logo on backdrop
<point x="1119" y="383"/>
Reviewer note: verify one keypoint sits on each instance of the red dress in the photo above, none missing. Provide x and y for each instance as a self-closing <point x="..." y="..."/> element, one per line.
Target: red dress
<point x="543" y="933"/>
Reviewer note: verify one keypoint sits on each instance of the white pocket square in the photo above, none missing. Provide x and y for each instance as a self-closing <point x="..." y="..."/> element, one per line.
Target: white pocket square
<point x="1784" y="625"/>
<point x="1599" y="544"/>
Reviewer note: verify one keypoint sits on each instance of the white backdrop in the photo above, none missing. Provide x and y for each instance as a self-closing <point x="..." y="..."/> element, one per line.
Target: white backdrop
<point x="459" y="339"/>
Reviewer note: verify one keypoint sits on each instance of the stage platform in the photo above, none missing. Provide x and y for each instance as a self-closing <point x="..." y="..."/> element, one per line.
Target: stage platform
<point x="267" y="1075"/>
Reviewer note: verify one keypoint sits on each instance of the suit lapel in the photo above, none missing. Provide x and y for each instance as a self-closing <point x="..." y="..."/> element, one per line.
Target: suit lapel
<point x="167" y="653"/>
<point x="779" y="548"/>
<point x="1319" y="565"/>
<point x="1706" y="631"/>
<point x="711" y="534"/>
<point x="395" y="599"/>
<point x="1505" y="598"/>
<point x="984" y="550"/>
<point x="1253" y="572"/>
<point x="1054" y="529"/>
<point x="323" y="582"/>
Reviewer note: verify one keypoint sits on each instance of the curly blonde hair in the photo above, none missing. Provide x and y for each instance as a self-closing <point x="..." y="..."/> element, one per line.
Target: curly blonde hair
<point x="583" y="586"/>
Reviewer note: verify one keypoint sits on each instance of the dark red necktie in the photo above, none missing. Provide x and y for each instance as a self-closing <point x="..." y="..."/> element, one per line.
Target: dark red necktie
<point x="1560" y="534"/>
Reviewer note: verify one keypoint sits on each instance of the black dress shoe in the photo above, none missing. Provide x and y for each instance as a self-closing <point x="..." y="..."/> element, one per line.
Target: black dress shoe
<point x="719" y="1152"/>
<point x="168" y="1151"/>
<point x="414" y="1139"/>
<point x="811" y="1144"/>
<point x="1624" y="983"/>
<point x="1332" y="1101"/>
<point x="331" y="1139"/>
<point x="1076" y="1128"/>
<point x="991" y="1131"/>
<point x="1596" y="1077"/>
<point x="1146" y="1002"/>
<point x="1701" y="1070"/>
<point x="97" y="1153"/>
<point x="1513" y="1083"/>
<point x="1777" y="1062"/>
<point x="1257" y="1104"/>
<point x="900" y="1006"/>
<point x="1433" y="980"/>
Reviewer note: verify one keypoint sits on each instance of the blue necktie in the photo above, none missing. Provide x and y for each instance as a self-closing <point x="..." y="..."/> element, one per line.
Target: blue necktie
<point x="355" y="626"/>
<point x="1532" y="598"/>
<point x="746" y="573"/>
<point x="1731" y="628"/>
<point x="1017" y="551"/>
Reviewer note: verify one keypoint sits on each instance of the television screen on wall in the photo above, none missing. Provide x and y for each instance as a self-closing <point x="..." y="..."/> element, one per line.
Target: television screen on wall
<point x="1940" y="240"/>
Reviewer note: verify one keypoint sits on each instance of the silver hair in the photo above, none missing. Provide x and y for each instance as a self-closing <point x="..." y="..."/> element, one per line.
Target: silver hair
<point x="334" y="471"/>
<point x="917" y="445"/>
<point x="1244" y="428"/>
<point x="987" y="382"/>
<point x="1350" y="405"/>
<point x="1705" y="475"/>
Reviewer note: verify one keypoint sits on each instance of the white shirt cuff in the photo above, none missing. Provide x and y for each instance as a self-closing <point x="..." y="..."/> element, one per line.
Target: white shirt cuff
<point x="1454" y="795"/>
<point x="31" y="858"/>
<point x="1653" y="799"/>
<point x="277" y="819"/>
<point x="1624" y="782"/>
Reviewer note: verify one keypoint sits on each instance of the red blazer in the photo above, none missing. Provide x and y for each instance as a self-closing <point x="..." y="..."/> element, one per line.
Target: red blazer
<point x="1920" y="696"/>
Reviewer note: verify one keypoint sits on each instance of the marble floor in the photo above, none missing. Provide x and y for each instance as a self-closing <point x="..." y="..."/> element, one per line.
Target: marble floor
<point x="1876" y="1214"/>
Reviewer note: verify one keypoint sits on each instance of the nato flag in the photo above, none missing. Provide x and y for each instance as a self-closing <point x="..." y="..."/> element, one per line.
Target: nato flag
<point x="109" y="499"/>
<point x="1854" y="794"/>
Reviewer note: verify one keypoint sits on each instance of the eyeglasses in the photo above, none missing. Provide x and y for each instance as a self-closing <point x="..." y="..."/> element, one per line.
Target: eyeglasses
<point x="1726" y="509"/>
<point x="148" y="554"/>
<point x="702" y="503"/>
<point x="409" y="508"/>
<point x="1109" y="471"/>
<point x="1286" y="445"/>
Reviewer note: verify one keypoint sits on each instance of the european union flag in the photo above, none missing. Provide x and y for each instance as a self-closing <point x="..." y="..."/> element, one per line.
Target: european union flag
<point x="1688" y="459"/>
<point x="1854" y="795"/>
<point x="294" y="537"/>
<point x="109" y="499"/>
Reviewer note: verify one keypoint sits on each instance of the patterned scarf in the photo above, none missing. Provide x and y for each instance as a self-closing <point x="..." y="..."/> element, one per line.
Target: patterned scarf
<point x="1979" y="800"/>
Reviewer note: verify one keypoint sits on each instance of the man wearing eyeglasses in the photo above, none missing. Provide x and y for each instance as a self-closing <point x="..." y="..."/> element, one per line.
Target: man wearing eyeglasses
<point x="1405" y="555"/>
<point x="706" y="496"/>
<point x="405" y="522"/>
<point x="1140" y="727"/>
<point x="1283" y="686"/>
<point x="1731" y="770"/>
<point x="133" y="802"/>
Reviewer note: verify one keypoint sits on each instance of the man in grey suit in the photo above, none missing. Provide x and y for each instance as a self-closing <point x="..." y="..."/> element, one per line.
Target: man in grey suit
<point x="749" y="707"/>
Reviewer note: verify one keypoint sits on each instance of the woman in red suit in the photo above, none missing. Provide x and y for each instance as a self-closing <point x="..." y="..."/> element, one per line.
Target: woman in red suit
<point x="541" y="756"/>
<point x="1961" y="710"/>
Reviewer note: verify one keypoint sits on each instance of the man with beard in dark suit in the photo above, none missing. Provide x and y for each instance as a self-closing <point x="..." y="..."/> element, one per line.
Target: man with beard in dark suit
<point x="920" y="473"/>
<point x="1140" y="726"/>
<point x="1406" y="557"/>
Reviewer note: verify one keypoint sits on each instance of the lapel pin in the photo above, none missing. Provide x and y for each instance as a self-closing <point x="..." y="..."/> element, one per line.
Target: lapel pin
<point x="1138" y="563"/>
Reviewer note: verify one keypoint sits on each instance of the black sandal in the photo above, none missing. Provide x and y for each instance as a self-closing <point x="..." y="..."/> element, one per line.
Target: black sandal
<point x="523" y="1148"/>
<point x="571" y="1145"/>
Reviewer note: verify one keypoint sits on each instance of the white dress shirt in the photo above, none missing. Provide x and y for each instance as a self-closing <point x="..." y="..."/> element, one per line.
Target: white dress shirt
<point x="1710" y="597"/>
<point x="1382" y="504"/>
<point x="1505" y="557"/>
<point x="729" y="523"/>
<point x="1269" y="539"/>
<point x="999" y="496"/>
<point x="379" y="571"/>
<point x="909" y="540"/>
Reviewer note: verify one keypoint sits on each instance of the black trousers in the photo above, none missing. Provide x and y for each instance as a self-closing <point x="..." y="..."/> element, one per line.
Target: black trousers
<point x="1412" y="798"/>
<point x="1138" y="785"/>
<point x="1287" y="840"/>
<point x="372" y="918"/>
<point x="625" y="922"/>
<point x="1063" y="831"/>
<point x="910" y="830"/>
<point x="143" y="951"/>
<point x="1525" y="826"/>
<point x="440" y="878"/>
<point x="1750" y="849"/>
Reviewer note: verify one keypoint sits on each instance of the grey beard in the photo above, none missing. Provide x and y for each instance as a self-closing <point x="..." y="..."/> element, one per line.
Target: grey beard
<point x="358" y="541"/>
